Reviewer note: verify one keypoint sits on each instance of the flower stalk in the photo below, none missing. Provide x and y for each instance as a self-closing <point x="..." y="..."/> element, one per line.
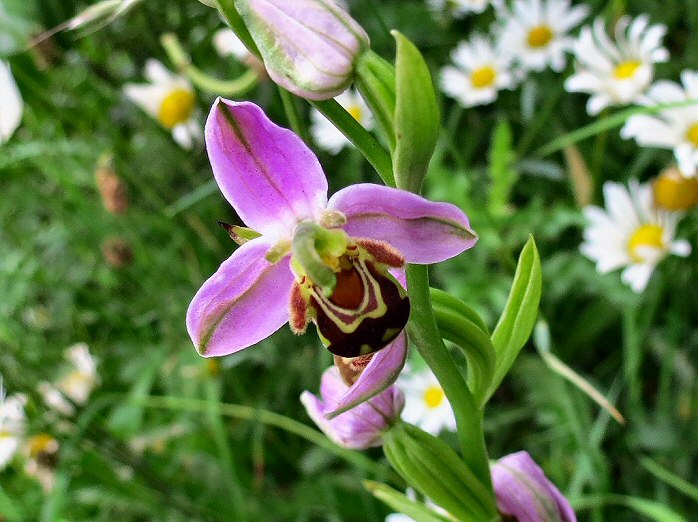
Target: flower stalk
<point x="424" y="333"/>
<point x="179" y="58"/>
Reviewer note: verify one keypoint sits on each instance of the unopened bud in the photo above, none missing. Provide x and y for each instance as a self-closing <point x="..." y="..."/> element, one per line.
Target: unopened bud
<point x="525" y="493"/>
<point x="309" y="47"/>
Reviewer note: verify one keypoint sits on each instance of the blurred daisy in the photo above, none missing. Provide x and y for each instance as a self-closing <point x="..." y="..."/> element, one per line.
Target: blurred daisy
<point x="426" y="404"/>
<point x="326" y="135"/>
<point x="616" y="73"/>
<point x="41" y="452"/>
<point x="12" y="425"/>
<point x="76" y="384"/>
<point x="11" y="104"/>
<point x="169" y="98"/>
<point x="673" y="191"/>
<point x="459" y="8"/>
<point x="480" y="72"/>
<point x="631" y="232"/>
<point x="226" y="43"/>
<point x="675" y="128"/>
<point x="535" y="31"/>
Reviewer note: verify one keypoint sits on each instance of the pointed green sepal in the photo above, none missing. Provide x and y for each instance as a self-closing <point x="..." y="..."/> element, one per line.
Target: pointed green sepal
<point x="416" y="116"/>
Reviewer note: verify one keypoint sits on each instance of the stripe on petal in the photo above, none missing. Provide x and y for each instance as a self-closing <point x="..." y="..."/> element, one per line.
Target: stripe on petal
<point x="423" y="231"/>
<point x="265" y="171"/>
<point x="245" y="301"/>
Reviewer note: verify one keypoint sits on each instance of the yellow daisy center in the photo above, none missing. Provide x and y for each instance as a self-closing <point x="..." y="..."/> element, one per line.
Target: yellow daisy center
<point x="649" y="235"/>
<point x="176" y="108"/>
<point x="483" y="77"/>
<point x="692" y="134"/>
<point x="434" y="396"/>
<point x="674" y="192"/>
<point x="540" y="36"/>
<point x="626" y="70"/>
<point x="5" y="434"/>
<point x="355" y="111"/>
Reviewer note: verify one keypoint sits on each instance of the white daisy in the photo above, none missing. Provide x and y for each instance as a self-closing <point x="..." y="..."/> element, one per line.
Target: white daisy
<point x="76" y="384"/>
<point x="459" y="8"/>
<point x="480" y="72"/>
<point x="616" y="73"/>
<point x="82" y="379"/>
<point x="535" y="31"/>
<point x="226" y="43"/>
<point x="11" y="104"/>
<point x="631" y="232"/>
<point x="675" y="128"/>
<point x="12" y="425"/>
<point x="169" y="98"/>
<point x="426" y="404"/>
<point x="326" y="135"/>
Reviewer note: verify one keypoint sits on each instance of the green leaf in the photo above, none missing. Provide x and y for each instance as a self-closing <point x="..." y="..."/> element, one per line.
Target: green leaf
<point x="446" y="300"/>
<point x="475" y="344"/>
<point x="416" y="116"/>
<point x="520" y="312"/>
<point x="501" y="168"/>
<point x="670" y="478"/>
<point x="649" y="508"/>
<point x="402" y="503"/>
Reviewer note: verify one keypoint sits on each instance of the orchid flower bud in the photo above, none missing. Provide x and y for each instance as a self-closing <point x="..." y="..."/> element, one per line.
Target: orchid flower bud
<point x="525" y="493"/>
<point x="309" y="47"/>
<point x="361" y="427"/>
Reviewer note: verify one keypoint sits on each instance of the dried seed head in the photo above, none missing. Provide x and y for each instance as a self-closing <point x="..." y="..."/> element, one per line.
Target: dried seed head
<point x="117" y="252"/>
<point x="111" y="187"/>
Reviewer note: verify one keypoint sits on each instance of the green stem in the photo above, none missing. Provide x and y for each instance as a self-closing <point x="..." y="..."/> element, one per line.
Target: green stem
<point x="424" y="333"/>
<point x="360" y="137"/>
<point x="632" y="356"/>
<point x="230" y="14"/>
<point x="291" y="110"/>
<point x="182" y="62"/>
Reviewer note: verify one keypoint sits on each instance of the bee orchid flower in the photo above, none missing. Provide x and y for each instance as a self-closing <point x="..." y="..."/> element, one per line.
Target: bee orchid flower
<point x="306" y="258"/>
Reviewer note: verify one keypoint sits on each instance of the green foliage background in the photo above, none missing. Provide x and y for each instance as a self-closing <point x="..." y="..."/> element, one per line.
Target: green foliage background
<point x="124" y="459"/>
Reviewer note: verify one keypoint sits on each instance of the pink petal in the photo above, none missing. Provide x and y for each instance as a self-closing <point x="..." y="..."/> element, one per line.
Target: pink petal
<point x="265" y="171"/>
<point x="523" y="491"/>
<point x="362" y="426"/>
<point x="381" y="372"/>
<point x="245" y="301"/>
<point x="423" y="231"/>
